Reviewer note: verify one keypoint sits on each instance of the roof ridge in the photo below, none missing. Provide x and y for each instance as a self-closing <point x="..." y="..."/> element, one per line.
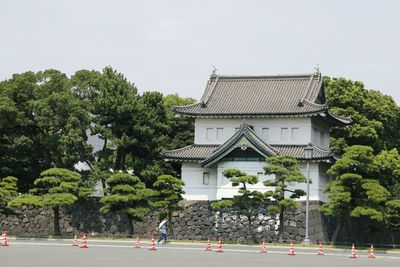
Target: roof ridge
<point x="265" y="76"/>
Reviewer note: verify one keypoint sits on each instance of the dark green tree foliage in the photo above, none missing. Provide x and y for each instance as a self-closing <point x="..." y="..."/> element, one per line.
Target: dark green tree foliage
<point x="182" y="128"/>
<point x="127" y="195"/>
<point x="8" y="191"/>
<point x="56" y="187"/>
<point x="387" y="169"/>
<point x="247" y="202"/>
<point x="41" y="125"/>
<point x="375" y="116"/>
<point x="286" y="170"/>
<point x="354" y="193"/>
<point x="169" y="193"/>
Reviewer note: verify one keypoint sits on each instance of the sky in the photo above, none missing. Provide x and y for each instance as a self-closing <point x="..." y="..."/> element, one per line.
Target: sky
<point x="171" y="46"/>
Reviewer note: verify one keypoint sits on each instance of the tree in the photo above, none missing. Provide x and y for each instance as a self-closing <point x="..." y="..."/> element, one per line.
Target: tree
<point x="8" y="191"/>
<point x="42" y="124"/>
<point x="169" y="194"/>
<point x="386" y="168"/>
<point x="353" y="194"/>
<point x="55" y="188"/>
<point x="127" y="195"/>
<point x="375" y="116"/>
<point x="286" y="170"/>
<point x="247" y="202"/>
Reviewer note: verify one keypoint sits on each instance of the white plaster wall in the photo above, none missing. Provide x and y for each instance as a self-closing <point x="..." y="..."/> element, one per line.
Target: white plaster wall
<point x="192" y="175"/>
<point x="274" y="126"/>
<point x="316" y="186"/>
<point x="320" y="133"/>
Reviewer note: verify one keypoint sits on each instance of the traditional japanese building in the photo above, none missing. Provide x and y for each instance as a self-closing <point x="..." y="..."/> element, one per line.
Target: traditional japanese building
<point x="241" y="120"/>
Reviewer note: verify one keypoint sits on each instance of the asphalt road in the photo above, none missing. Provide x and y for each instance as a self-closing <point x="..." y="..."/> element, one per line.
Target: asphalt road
<point x="60" y="253"/>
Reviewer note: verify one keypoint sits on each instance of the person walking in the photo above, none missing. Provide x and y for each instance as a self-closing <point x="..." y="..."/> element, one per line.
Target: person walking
<point x="163" y="232"/>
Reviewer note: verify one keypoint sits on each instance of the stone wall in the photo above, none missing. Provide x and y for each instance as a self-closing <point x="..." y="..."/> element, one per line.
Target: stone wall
<point x="197" y="221"/>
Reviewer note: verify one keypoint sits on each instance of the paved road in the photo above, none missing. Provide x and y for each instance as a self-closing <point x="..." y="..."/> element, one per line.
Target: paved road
<point x="60" y="253"/>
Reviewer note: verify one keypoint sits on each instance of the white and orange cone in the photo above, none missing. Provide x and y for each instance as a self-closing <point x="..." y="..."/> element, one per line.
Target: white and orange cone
<point x="219" y="246"/>
<point x="152" y="244"/>
<point x="291" y="250"/>
<point x="75" y="242"/>
<point x="137" y="244"/>
<point x="263" y="247"/>
<point x="84" y="241"/>
<point x="353" y="252"/>
<point x="371" y="252"/>
<point x="321" y="249"/>
<point x="208" y="246"/>
<point x="4" y="241"/>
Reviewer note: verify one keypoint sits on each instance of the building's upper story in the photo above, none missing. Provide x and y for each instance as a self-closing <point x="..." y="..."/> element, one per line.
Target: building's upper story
<point x="285" y="112"/>
<point x="283" y="109"/>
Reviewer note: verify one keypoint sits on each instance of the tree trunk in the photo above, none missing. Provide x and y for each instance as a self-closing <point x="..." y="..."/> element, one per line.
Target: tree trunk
<point x="250" y="228"/>
<point x="338" y="228"/>
<point x="171" y="227"/>
<point x="130" y="226"/>
<point x="56" y="211"/>
<point x="281" y="225"/>
<point x="392" y="238"/>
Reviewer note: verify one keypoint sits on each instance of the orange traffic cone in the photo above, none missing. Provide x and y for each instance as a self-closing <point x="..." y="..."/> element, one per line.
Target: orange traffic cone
<point x="291" y="250"/>
<point x="208" y="246"/>
<point x="152" y="244"/>
<point x="321" y="249"/>
<point x="84" y="241"/>
<point x="353" y="252"/>
<point x="75" y="242"/>
<point x="263" y="247"/>
<point x="4" y="242"/>
<point x="219" y="246"/>
<point x="137" y="245"/>
<point x="371" y="252"/>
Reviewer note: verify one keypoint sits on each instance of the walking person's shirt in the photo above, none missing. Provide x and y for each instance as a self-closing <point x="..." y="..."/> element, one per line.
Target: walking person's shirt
<point x="163" y="229"/>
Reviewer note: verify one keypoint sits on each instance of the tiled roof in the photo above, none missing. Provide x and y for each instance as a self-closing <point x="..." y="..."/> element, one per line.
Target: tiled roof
<point x="259" y="95"/>
<point x="201" y="153"/>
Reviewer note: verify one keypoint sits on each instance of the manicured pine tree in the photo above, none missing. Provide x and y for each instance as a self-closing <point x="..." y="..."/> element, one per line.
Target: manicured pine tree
<point x="286" y="170"/>
<point x="55" y="188"/>
<point x="128" y="195"/>
<point x="8" y="191"/>
<point x="354" y="193"/>
<point x="247" y="202"/>
<point x="169" y="193"/>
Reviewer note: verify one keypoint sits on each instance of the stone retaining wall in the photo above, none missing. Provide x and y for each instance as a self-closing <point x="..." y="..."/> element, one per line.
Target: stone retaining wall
<point x="197" y="221"/>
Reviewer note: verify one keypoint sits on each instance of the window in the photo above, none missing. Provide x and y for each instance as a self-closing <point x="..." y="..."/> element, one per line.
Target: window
<point x="321" y="137"/>
<point x="295" y="134"/>
<point x="220" y="132"/>
<point x="206" y="178"/>
<point x="265" y="134"/>
<point x="314" y="135"/>
<point x="209" y="134"/>
<point x="284" y="135"/>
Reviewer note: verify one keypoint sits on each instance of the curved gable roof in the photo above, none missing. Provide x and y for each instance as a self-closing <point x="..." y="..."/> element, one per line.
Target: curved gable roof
<point x="259" y="95"/>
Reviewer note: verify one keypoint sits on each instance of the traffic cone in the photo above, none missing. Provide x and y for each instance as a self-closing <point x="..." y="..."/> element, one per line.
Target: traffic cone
<point x="137" y="245"/>
<point x="371" y="252"/>
<point x="152" y="244"/>
<point x="263" y="247"/>
<point x="84" y="241"/>
<point x="321" y="249"/>
<point x="4" y="242"/>
<point x="219" y="246"/>
<point x="291" y="250"/>
<point x="75" y="242"/>
<point x="208" y="246"/>
<point x="353" y="252"/>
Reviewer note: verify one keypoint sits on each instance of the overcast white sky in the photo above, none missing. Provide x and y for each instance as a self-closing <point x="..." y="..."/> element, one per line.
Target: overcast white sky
<point x="171" y="46"/>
